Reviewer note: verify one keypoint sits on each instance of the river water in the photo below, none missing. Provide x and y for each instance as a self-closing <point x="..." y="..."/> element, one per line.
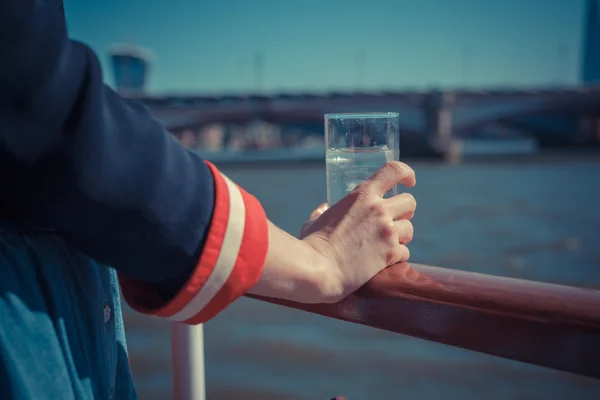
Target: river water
<point x="534" y="220"/>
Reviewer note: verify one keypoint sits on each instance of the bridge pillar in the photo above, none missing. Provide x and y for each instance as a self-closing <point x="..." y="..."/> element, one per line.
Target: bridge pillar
<point x="589" y="129"/>
<point x="439" y="122"/>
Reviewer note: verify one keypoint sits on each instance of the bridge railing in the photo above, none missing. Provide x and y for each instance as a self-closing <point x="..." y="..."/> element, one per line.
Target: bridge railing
<point x="545" y="324"/>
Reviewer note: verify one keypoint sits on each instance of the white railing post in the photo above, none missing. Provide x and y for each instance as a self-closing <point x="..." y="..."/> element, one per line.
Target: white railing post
<point x="187" y="346"/>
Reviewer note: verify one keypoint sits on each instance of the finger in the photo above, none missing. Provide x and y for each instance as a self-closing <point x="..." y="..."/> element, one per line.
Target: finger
<point x="405" y="254"/>
<point x="405" y="231"/>
<point x="391" y="174"/>
<point x="319" y="210"/>
<point x="401" y="206"/>
<point x="400" y="254"/>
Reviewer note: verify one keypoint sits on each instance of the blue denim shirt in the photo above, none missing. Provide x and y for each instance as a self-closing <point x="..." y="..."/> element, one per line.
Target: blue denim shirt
<point x="61" y="331"/>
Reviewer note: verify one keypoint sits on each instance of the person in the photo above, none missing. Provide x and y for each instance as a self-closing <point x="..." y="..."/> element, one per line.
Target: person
<point x="96" y="192"/>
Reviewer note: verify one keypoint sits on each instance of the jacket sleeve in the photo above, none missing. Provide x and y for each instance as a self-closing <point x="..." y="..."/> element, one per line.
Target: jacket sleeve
<point x="77" y="158"/>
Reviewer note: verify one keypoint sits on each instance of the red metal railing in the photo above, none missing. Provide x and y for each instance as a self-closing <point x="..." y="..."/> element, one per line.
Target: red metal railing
<point x="545" y="324"/>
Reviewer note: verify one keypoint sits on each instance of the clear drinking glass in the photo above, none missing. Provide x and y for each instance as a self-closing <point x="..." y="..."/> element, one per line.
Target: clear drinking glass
<point x="358" y="144"/>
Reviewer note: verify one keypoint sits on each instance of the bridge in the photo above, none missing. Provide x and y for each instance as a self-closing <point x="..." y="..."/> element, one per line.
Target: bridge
<point x="431" y="119"/>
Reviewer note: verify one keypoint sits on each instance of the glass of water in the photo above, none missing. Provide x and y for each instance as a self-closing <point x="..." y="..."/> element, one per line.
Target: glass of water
<point x="357" y="145"/>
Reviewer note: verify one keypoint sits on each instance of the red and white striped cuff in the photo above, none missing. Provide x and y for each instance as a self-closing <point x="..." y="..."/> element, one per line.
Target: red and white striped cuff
<point x="230" y="264"/>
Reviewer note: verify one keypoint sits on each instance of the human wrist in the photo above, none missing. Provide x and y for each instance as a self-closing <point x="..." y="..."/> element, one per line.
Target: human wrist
<point x="326" y="281"/>
<point x="296" y="270"/>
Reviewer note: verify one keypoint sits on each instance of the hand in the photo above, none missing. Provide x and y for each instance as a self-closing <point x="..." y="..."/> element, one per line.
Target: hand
<point x="314" y="215"/>
<point x="363" y="233"/>
<point x="344" y="246"/>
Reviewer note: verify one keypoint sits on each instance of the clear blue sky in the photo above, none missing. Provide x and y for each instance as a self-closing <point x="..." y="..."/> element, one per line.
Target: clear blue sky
<point x="209" y="46"/>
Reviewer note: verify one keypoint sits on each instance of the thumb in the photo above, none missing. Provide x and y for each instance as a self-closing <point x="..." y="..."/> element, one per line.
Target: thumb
<point x="316" y="213"/>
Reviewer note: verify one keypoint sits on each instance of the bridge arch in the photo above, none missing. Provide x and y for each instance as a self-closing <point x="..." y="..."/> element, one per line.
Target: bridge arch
<point x="573" y="104"/>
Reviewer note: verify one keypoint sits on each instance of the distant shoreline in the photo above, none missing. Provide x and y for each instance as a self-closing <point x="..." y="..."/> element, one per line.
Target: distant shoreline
<point x="562" y="155"/>
<point x="541" y="156"/>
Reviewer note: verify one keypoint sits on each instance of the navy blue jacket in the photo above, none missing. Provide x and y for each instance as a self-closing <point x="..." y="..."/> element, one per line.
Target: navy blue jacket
<point x="77" y="158"/>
